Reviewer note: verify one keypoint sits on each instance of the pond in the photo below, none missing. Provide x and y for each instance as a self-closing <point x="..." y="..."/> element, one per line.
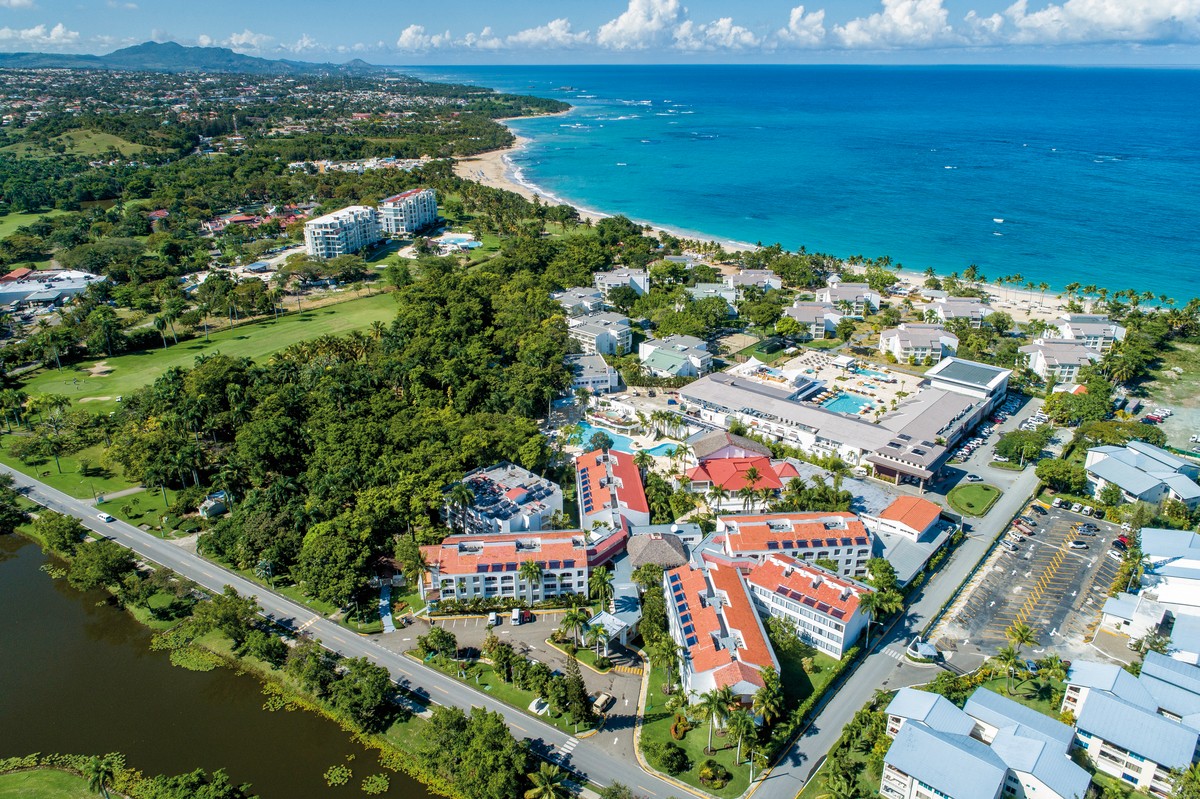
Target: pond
<point x="80" y="677"/>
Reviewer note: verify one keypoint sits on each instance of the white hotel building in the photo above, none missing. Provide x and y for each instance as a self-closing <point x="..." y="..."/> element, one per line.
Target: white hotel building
<point x="343" y="232"/>
<point x="408" y="212"/>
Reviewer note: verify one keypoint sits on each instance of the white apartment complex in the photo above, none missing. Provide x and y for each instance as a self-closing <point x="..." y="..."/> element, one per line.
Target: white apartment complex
<point x="408" y="212"/>
<point x="1058" y="359"/>
<point x="636" y="279"/>
<point x="601" y="333"/>
<point x="817" y="320"/>
<point x="823" y="607"/>
<point x="915" y="344"/>
<point x="808" y="537"/>
<point x="676" y="356"/>
<point x="343" y="232"/>
<point x="1092" y="330"/>
<point x="856" y="298"/>
<point x="504" y="499"/>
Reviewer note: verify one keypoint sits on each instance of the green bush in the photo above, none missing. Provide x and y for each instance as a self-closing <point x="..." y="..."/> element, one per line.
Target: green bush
<point x="667" y="756"/>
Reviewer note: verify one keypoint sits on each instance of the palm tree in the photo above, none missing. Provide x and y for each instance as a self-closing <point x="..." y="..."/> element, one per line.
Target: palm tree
<point x="878" y="604"/>
<point x="1021" y="635"/>
<point x="462" y="498"/>
<point x="1008" y="659"/>
<point x="531" y="572"/>
<point x="837" y="786"/>
<point x="99" y="772"/>
<point x="748" y="495"/>
<point x="644" y="461"/>
<point x="593" y="637"/>
<point x="716" y="496"/>
<point x="714" y="705"/>
<point x="573" y="621"/>
<point x="768" y="700"/>
<point x="549" y="782"/>
<point x="600" y="585"/>
<point x="741" y="727"/>
<point x="1053" y="667"/>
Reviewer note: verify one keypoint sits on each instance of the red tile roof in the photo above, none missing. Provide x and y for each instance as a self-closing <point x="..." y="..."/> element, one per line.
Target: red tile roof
<point x="812" y="586"/>
<point x="791" y="531"/>
<point x="913" y="512"/>
<point x="625" y="488"/>
<point x="16" y="274"/>
<point x="401" y="195"/>
<point x="474" y="554"/>
<point x="730" y="473"/>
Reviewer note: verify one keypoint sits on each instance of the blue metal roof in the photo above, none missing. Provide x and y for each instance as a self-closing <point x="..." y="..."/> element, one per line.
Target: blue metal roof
<point x="956" y="765"/>
<point x="932" y="709"/>
<point x="1000" y="711"/>
<point x="1137" y="729"/>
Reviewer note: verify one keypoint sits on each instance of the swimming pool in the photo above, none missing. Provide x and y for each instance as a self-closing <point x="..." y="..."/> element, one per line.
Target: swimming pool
<point x="461" y="240"/>
<point x="847" y="403"/>
<point x="869" y="373"/>
<point x="623" y="443"/>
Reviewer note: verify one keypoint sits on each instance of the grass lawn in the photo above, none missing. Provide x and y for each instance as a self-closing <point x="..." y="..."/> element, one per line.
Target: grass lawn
<point x="657" y="728"/>
<point x="160" y="602"/>
<point x="88" y="143"/>
<point x="292" y="592"/>
<point x="584" y="654"/>
<point x="148" y="507"/>
<point x="44" y="784"/>
<point x="824" y="343"/>
<point x="132" y="371"/>
<point x="1012" y="467"/>
<point x="72" y="480"/>
<point x="10" y="222"/>
<point x="1044" y="696"/>
<point x="973" y="499"/>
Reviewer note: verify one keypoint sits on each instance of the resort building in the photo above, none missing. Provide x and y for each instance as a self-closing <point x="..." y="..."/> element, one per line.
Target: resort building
<point x="817" y="320"/>
<point x="1144" y="473"/>
<point x="761" y="278"/>
<point x="854" y="299"/>
<point x="910" y="517"/>
<point x="610" y="489"/>
<point x="1138" y="729"/>
<point x="675" y="356"/>
<point x="733" y="475"/>
<point x="601" y="333"/>
<point x="1171" y="575"/>
<point x="723" y="444"/>
<point x="1058" y="359"/>
<point x="711" y="617"/>
<point x="503" y="499"/>
<point x="636" y="279"/>
<point x="823" y="607"/>
<point x="580" y="301"/>
<point x="1092" y="330"/>
<point x="810" y="536"/>
<point x="969" y="308"/>
<point x="463" y="567"/>
<point x="994" y="748"/>
<point x="343" y="232"/>
<point x="593" y="373"/>
<point x="916" y="344"/>
<point x="704" y="291"/>
<point x="409" y="212"/>
<point x="972" y="379"/>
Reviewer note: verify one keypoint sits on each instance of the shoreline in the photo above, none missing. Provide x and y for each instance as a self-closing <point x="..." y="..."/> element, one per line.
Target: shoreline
<point x="495" y="168"/>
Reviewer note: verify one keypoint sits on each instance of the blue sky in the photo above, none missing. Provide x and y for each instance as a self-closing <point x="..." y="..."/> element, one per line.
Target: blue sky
<point x="1147" y="32"/>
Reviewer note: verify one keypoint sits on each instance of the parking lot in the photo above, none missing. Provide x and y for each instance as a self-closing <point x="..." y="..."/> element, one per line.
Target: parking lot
<point x="1056" y="590"/>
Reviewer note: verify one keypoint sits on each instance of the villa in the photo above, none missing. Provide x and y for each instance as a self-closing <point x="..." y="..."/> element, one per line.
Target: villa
<point x="593" y="373"/>
<point x="760" y="278"/>
<point x="675" y="356"/>
<point x="915" y="344"/>
<point x="817" y="320"/>
<point x="858" y="299"/>
<point x="733" y="474"/>
<point x="580" y="301"/>
<point x="1092" y="330"/>
<point x="704" y="291"/>
<point x="1058" y="359"/>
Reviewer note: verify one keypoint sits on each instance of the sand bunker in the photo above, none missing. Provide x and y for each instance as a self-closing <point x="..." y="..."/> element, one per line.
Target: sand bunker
<point x="100" y="369"/>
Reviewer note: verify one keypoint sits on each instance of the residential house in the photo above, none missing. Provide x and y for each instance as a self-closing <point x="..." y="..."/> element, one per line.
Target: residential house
<point x="761" y="278"/>
<point x="1092" y="330"/>
<point x="675" y="356"/>
<point x="807" y="536"/>
<point x="734" y="474"/>
<point x="970" y="308"/>
<point x="917" y="344"/>
<point x="1058" y="359"/>
<point x="602" y="333"/>
<point x="593" y="373"/>
<point x="855" y="299"/>
<point x="1144" y="473"/>
<point x="636" y="279"/>
<point x="342" y="232"/>
<point x="504" y="498"/>
<point x="580" y="301"/>
<point x="1137" y="729"/>
<point x="610" y="489"/>
<point x="822" y="606"/>
<point x="817" y="320"/>
<point x="409" y="212"/>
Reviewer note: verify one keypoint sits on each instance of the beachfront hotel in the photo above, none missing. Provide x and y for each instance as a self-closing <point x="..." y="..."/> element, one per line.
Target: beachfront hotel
<point x="342" y="232"/>
<point x="407" y="213"/>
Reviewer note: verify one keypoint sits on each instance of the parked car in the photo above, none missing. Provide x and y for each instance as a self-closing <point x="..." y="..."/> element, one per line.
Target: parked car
<point x="1015" y="537"/>
<point x="1031" y="667"/>
<point x="493" y="619"/>
<point x="1119" y="546"/>
<point x="1127" y="527"/>
<point x="603" y="702"/>
<point x="1076" y="507"/>
<point x="1115" y="555"/>
<point x="1087" y="533"/>
<point x="1011" y="547"/>
<point x="1038" y="509"/>
<point x="1028" y="521"/>
<point x="1077" y="545"/>
<point x="1088" y="510"/>
<point x="515" y="618"/>
<point x="526" y="615"/>
<point x="1057" y="502"/>
<point x="974" y="478"/>
<point x="1098" y="513"/>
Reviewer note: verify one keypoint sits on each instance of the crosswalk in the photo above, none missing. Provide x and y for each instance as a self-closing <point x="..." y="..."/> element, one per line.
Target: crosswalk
<point x="892" y="653"/>
<point x="629" y="670"/>
<point x="568" y="747"/>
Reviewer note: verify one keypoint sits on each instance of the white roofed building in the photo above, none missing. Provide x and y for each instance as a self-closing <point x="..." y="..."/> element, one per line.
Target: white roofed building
<point x="1144" y="473"/>
<point x="408" y="212"/>
<point x="1092" y="330"/>
<point x="914" y="344"/>
<point x="856" y="299"/>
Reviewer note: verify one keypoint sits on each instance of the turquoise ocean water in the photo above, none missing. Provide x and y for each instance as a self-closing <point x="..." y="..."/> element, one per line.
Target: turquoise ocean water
<point x="1095" y="173"/>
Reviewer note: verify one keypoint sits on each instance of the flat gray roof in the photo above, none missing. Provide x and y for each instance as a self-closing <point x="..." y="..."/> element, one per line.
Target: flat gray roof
<point x="979" y="374"/>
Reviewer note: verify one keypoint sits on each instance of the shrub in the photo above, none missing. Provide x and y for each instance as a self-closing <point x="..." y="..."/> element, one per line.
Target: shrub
<point x="714" y="775"/>
<point x="603" y="663"/>
<point x="668" y="757"/>
<point x="376" y="784"/>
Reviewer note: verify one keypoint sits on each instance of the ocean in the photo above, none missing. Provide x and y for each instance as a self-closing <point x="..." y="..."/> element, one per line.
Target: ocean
<point x="1060" y="175"/>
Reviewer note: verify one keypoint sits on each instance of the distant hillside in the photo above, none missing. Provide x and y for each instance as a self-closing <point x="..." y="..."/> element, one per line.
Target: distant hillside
<point x="172" y="57"/>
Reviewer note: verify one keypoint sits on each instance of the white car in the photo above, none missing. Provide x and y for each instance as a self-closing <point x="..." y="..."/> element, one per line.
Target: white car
<point x="974" y="478"/>
<point x="1077" y="545"/>
<point x="104" y="517"/>
<point x="1076" y="507"/>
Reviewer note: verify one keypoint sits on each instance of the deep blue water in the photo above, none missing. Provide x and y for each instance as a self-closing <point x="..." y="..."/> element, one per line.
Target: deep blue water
<point x="1095" y="172"/>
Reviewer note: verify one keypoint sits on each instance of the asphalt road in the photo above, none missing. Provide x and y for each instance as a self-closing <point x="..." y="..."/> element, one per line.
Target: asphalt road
<point x="584" y="757"/>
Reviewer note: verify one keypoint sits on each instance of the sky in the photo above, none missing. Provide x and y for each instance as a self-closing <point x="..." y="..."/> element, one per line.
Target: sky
<point x="409" y="32"/>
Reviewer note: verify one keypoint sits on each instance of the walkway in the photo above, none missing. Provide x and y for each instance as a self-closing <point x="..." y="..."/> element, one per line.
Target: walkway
<point x="385" y="608"/>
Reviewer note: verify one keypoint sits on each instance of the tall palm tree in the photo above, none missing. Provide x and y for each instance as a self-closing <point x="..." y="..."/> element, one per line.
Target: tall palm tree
<point x="714" y="705"/>
<point x="644" y="461"/>
<point x="1053" y="667"/>
<point x="573" y="621"/>
<point x="549" y="782"/>
<point x="1008" y="659"/>
<point x="531" y="572"/>
<point x="1020" y="635"/>
<point x="768" y="700"/>
<point x="462" y="498"/>
<point x="742" y="728"/>
<point x="593" y="637"/>
<point x="748" y="496"/>
<point x="99" y="773"/>
<point x="600" y="585"/>
<point x="877" y="604"/>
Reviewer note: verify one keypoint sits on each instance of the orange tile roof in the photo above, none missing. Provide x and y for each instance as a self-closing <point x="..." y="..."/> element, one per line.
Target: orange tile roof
<point x="812" y="586"/>
<point x="592" y="472"/>
<point x="913" y="512"/>
<point x="730" y="473"/>
<point x="475" y="554"/>
<point x="790" y="531"/>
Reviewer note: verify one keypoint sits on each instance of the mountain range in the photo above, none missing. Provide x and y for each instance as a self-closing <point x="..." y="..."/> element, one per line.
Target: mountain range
<point x="173" y="57"/>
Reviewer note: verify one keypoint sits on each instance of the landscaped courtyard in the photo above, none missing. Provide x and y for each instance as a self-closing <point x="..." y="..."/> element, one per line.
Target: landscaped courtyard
<point x="973" y="499"/>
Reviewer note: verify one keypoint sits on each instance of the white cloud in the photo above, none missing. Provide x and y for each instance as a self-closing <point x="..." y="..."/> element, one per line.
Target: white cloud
<point x="1076" y="21"/>
<point x="901" y="23"/>
<point x="40" y="36"/>
<point x="804" y="30"/>
<point x="556" y="33"/>
<point x="304" y="44"/>
<point x="16" y="4"/>
<point x="720" y="34"/>
<point x="414" y="38"/>
<point x="248" y="40"/>
<point x="484" y="40"/>
<point x="643" y="24"/>
<point x="122" y="6"/>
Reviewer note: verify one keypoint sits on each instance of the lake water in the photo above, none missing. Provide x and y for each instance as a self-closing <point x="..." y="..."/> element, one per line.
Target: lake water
<point x="79" y="676"/>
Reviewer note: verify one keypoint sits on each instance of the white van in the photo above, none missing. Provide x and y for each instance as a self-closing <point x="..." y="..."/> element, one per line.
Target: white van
<point x="104" y="517"/>
<point x="515" y="618"/>
<point x="493" y="619"/>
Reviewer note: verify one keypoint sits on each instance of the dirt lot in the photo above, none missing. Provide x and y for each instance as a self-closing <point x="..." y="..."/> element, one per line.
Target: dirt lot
<point x="1054" y="589"/>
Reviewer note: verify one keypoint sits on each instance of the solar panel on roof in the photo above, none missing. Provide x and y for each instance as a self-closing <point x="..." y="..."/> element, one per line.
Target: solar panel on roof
<point x="692" y="641"/>
<point x="772" y="545"/>
<point x="688" y="629"/>
<point x="685" y="617"/>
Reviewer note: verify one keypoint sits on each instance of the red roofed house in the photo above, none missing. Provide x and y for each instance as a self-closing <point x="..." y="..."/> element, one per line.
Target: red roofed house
<point x="734" y="474"/>
<point x="824" y="607"/>
<point x="711" y="617"/>
<point x="610" y="487"/>
<point x="840" y="537"/>
<point x="911" y="517"/>
<point x="16" y="274"/>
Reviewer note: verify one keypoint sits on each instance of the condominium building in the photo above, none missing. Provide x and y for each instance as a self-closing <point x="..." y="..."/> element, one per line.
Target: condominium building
<point x="343" y="232"/>
<point x="711" y="617"/>
<point x="636" y="279"/>
<point x="1092" y="330"/>
<point x="602" y="333"/>
<point x="593" y="373"/>
<point x="856" y="299"/>
<point x="1144" y="473"/>
<point x="1137" y="729"/>
<point x="1058" y="359"/>
<point x="610" y="490"/>
<point x="502" y="499"/>
<point x="970" y="308"/>
<point x="994" y="748"/>
<point x="918" y="343"/>
<point x="676" y="356"/>
<point x="409" y="212"/>
<point x="580" y="301"/>
<point x="823" y="607"/>
<point x="817" y="320"/>
<point x="761" y="278"/>
<point x="809" y="537"/>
